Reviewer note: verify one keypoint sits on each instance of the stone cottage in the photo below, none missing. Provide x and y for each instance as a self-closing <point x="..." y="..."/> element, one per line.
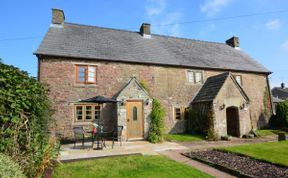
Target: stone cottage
<point x="79" y="62"/>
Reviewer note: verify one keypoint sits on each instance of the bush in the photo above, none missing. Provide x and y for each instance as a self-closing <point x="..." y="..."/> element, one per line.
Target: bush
<point x="156" y="126"/>
<point x="280" y="120"/>
<point x="9" y="169"/>
<point x="24" y="116"/>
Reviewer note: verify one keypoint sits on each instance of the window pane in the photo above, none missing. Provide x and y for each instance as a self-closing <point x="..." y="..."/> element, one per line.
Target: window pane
<point x="238" y="79"/>
<point x="190" y="77"/>
<point x="134" y="113"/>
<point x="88" y="112"/>
<point x="97" y="112"/>
<point x="79" y="112"/>
<point x="91" y="73"/>
<point x="198" y="77"/>
<point x="81" y="73"/>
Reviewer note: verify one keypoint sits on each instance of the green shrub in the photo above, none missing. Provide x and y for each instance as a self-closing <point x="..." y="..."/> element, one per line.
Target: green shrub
<point x="9" y="169"/>
<point x="156" y="126"/>
<point x="281" y="117"/>
<point x="24" y="116"/>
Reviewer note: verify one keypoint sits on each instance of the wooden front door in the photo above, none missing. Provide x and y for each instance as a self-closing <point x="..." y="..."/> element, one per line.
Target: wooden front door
<point x="134" y="118"/>
<point x="232" y="121"/>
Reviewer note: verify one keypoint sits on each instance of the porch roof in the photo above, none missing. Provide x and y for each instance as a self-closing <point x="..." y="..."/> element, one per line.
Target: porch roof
<point x="99" y="99"/>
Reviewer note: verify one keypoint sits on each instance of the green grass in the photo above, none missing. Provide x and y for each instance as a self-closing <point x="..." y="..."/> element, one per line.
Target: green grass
<point x="266" y="132"/>
<point x="126" y="166"/>
<point x="183" y="137"/>
<point x="273" y="152"/>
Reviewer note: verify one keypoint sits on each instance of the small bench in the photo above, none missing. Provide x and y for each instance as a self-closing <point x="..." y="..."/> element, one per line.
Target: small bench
<point x="282" y="136"/>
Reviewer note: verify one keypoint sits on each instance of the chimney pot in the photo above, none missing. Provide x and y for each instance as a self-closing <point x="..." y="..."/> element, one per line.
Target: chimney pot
<point x="58" y="16"/>
<point x="145" y="30"/>
<point x="282" y="85"/>
<point x="233" y="42"/>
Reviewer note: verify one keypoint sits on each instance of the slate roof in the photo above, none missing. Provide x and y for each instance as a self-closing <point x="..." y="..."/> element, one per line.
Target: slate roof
<point x="277" y="100"/>
<point x="91" y="42"/>
<point x="212" y="86"/>
<point x="281" y="93"/>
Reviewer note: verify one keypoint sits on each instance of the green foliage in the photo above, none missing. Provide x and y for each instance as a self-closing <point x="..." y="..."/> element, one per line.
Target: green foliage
<point x="195" y="120"/>
<point x="24" y="115"/>
<point x="210" y="117"/>
<point x="199" y="119"/>
<point x="9" y="169"/>
<point x="144" y="84"/>
<point x="266" y="103"/>
<point x="281" y="118"/>
<point x="156" y="126"/>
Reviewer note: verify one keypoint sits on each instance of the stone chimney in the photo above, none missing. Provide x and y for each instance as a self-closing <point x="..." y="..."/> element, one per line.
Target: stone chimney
<point x="282" y="85"/>
<point x="58" y="17"/>
<point x="145" y="30"/>
<point x="233" y="42"/>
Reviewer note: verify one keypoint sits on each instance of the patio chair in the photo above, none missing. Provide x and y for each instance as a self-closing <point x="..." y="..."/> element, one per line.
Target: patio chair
<point x="79" y="135"/>
<point x="117" y="135"/>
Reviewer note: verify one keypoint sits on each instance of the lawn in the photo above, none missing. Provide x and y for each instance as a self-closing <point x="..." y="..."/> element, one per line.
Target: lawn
<point x="183" y="137"/>
<point x="273" y="152"/>
<point x="266" y="132"/>
<point x="126" y="166"/>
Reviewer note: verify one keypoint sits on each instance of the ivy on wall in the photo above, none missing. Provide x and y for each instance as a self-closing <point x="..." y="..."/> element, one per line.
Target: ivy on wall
<point x="155" y="134"/>
<point x="266" y="103"/>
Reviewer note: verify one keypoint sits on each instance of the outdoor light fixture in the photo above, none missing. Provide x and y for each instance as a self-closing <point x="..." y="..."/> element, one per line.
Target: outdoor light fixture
<point x="222" y="106"/>
<point x="147" y="101"/>
<point x="243" y="106"/>
<point x="122" y="102"/>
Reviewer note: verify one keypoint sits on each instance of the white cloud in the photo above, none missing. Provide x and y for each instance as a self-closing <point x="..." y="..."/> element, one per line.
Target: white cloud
<point x="274" y="24"/>
<point x="165" y="22"/>
<point x="211" y="7"/>
<point x="155" y="7"/>
<point x="285" y="45"/>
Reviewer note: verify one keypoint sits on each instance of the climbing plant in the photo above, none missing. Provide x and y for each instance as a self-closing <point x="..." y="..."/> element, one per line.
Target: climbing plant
<point x="144" y="84"/>
<point x="266" y="102"/>
<point x="24" y="116"/>
<point x="156" y="126"/>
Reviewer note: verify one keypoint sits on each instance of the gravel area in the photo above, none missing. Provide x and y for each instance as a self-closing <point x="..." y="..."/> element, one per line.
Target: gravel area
<point x="243" y="164"/>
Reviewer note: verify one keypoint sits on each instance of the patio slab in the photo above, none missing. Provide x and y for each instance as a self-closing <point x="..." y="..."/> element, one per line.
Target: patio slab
<point x="132" y="147"/>
<point x="143" y="147"/>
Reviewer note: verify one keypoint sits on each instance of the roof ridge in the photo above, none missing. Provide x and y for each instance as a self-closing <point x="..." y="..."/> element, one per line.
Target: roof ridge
<point x="153" y="34"/>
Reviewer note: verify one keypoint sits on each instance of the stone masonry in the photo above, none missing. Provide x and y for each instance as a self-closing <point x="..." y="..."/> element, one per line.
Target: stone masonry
<point x="168" y="84"/>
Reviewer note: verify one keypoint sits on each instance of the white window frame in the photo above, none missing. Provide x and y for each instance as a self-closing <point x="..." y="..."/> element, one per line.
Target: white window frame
<point x="193" y="73"/>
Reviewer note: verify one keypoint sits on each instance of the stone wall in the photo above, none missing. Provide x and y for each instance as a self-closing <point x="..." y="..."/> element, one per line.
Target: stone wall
<point x="168" y="84"/>
<point x="230" y="96"/>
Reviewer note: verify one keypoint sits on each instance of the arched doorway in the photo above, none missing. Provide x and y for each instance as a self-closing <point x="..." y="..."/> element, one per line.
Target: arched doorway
<point x="232" y="120"/>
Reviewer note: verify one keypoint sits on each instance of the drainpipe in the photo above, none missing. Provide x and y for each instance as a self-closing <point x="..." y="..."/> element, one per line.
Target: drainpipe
<point x="270" y="95"/>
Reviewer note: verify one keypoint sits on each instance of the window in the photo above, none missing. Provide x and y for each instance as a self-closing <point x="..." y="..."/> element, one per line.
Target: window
<point x="181" y="113"/>
<point x="79" y="113"/>
<point x="238" y="79"/>
<point x="87" y="112"/>
<point x="195" y="77"/>
<point x="134" y="113"/>
<point x="86" y="74"/>
<point x="177" y="113"/>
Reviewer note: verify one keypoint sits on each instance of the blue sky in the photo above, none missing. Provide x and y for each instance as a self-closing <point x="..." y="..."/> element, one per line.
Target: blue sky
<point x="264" y="37"/>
